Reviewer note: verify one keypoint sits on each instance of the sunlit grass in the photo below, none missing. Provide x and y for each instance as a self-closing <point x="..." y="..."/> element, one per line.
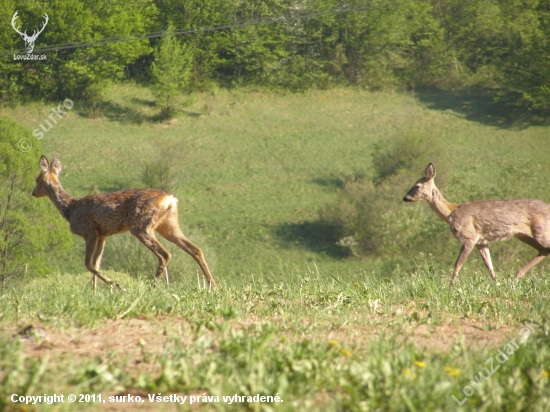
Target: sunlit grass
<point x="257" y="166"/>
<point x="295" y="338"/>
<point x="293" y="316"/>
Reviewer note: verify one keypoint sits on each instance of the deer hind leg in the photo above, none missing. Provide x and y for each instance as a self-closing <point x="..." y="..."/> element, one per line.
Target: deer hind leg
<point x="464" y="252"/>
<point x="543" y="252"/>
<point x="170" y="230"/>
<point x="532" y="263"/>
<point x="147" y="237"/>
<point x="91" y="247"/>
<point x="486" y="255"/>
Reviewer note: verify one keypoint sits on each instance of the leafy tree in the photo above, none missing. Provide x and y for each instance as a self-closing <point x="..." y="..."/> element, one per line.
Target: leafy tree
<point x="171" y="73"/>
<point x="32" y="235"/>
<point x="207" y="46"/>
<point x="10" y="87"/>
<point x="80" y="73"/>
<point x="526" y="63"/>
<point x="379" y="45"/>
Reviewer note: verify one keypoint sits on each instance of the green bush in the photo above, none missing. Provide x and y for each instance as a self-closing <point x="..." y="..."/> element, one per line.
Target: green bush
<point x="369" y="215"/>
<point x="159" y="174"/>
<point x="403" y="153"/>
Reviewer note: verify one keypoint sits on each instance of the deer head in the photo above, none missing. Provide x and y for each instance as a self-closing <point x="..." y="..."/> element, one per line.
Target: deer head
<point x="423" y="188"/>
<point x="48" y="176"/>
<point x="29" y="40"/>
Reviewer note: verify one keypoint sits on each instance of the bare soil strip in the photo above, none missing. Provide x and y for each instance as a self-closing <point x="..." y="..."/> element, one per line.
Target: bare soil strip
<point x="130" y="338"/>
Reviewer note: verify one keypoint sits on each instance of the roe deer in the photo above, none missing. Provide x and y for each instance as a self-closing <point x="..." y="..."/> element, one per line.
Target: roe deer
<point x="95" y="217"/>
<point x="478" y="223"/>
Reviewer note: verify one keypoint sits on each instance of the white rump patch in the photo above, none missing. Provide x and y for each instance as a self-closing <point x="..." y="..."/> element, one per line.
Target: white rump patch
<point x="167" y="202"/>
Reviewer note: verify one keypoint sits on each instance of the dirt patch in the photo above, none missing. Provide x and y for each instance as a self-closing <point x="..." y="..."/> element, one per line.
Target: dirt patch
<point x="441" y="338"/>
<point x="129" y="338"/>
<point x="134" y="339"/>
<point x="434" y="338"/>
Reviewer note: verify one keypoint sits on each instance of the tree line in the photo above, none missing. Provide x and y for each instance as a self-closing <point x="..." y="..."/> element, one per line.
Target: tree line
<point x="290" y="44"/>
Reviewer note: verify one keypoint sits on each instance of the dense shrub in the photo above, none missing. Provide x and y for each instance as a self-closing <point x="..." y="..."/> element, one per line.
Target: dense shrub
<point x="32" y="234"/>
<point x="369" y="215"/>
<point x="283" y="44"/>
<point x="160" y="172"/>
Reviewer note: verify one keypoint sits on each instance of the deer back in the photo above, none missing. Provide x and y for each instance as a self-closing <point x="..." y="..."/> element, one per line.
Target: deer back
<point x="494" y="220"/>
<point x="117" y="212"/>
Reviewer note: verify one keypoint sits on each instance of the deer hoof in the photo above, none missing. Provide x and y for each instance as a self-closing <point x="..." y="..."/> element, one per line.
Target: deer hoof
<point x="119" y="287"/>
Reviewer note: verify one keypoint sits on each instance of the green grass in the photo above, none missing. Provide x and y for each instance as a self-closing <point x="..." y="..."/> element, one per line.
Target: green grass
<point x="64" y="300"/>
<point x="293" y="315"/>
<point x="255" y="172"/>
<point x="319" y="342"/>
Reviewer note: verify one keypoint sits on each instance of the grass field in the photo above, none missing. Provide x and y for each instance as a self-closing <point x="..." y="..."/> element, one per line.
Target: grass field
<point x="317" y="342"/>
<point x="255" y="171"/>
<point x="293" y="316"/>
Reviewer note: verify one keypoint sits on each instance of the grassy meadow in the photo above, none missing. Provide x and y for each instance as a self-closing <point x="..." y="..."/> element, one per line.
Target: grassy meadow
<point x="294" y="316"/>
<point x="254" y="168"/>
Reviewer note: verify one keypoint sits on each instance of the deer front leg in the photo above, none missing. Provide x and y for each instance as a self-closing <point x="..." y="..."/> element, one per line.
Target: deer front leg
<point x="464" y="252"/>
<point x="96" y="260"/>
<point x="484" y="251"/>
<point x="91" y="246"/>
<point x="100" y="247"/>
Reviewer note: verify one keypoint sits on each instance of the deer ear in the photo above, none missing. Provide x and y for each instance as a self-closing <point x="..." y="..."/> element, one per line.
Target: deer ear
<point x="43" y="164"/>
<point x="430" y="171"/>
<point x="55" y="166"/>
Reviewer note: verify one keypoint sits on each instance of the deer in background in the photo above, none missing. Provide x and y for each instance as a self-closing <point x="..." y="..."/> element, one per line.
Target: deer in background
<point x="29" y="40"/>
<point x="478" y="223"/>
<point x="95" y="217"/>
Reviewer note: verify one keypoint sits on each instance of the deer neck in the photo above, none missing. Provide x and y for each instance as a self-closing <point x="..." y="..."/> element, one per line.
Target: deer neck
<point x="440" y="205"/>
<point x="61" y="199"/>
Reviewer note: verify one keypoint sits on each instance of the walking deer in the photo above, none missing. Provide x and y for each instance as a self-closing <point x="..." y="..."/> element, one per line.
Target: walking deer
<point x="95" y="217"/>
<point x="478" y="223"/>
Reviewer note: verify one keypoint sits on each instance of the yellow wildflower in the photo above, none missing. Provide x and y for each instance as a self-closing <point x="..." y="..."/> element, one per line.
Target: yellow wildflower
<point x="544" y="374"/>
<point x="419" y="364"/>
<point x="333" y="343"/>
<point x="345" y="352"/>
<point x="408" y="372"/>
<point x="454" y="372"/>
<point x="356" y="284"/>
<point x="141" y="342"/>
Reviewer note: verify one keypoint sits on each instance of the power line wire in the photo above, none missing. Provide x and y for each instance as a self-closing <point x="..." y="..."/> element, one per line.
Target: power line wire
<point x="206" y="29"/>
